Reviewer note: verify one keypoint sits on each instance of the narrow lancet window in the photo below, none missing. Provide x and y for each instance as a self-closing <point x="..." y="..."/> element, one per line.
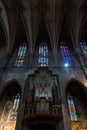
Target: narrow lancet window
<point x="21" y="55"/>
<point x="65" y="54"/>
<point x="84" y="47"/>
<point x="72" y="110"/>
<point x="43" y="55"/>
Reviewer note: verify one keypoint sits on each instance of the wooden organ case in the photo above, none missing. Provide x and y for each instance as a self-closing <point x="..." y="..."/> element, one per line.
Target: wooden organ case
<point x="42" y="97"/>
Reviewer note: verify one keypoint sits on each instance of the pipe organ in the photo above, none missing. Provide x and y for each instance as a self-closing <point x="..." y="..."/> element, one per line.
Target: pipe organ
<point x="42" y="98"/>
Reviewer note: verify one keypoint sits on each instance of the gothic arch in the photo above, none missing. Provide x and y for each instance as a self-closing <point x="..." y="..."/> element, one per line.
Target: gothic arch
<point x="9" y="104"/>
<point x="26" y="31"/>
<point x="27" y="22"/>
<point x="12" y="81"/>
<point x="50" y="33"/>
<point x="76" y="81"/>
<point x="76" y="98"/>
<point x="20" y="39"/>
<point x="9" y="83"/>
<point x="43" y="24"/>
<point x="43" y="37"/>
<point x="20" y="34"/>
<point x="65" y="33"/>
<point x="59" y="28"/>
<point x="77" y="89"/>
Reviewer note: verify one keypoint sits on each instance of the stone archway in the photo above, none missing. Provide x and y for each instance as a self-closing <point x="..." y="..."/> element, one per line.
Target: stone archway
<point x="9" y="103"/>
<point x="78" y="96"/>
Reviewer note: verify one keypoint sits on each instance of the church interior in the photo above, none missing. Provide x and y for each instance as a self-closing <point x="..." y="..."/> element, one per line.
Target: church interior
<point x="43" y="64"/>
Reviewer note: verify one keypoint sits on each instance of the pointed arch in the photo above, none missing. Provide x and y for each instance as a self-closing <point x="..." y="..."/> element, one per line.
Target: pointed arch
<point x="21" y="34"/>
<point x="44" y="32"/>
<point x="26" y="32"/>
<point x="43" y="37"/>
<point x="76" y="86"/>
<point x="65" y="34"/>
<point x="65" y="41"/>
<point x="20" y="49"/>
<point x="27" y="22"/>
<point x="9" y="104"/>
<point x="49" y="31"/>
<point x="75" y="93"/>
<point x="11" y="82"/>
<point x="65" y="54"/>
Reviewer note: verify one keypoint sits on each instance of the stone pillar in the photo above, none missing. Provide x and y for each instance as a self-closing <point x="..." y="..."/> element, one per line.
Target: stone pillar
<point x="66" y="118"/>
<point x="61" y="125"/>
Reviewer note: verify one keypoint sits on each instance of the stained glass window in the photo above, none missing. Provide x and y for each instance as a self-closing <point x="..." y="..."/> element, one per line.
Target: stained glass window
<point x="84" y="47"/>
<point x="21" y="55"/>
<point x="65" y="54"/>
<point x="9" y="114"/>
<point x="15" y="107"/>
<point x="72" y="108"/>
<point x="43" y="55"/>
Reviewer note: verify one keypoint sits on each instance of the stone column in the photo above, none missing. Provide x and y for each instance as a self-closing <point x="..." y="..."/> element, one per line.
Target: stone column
<point x="66" y="118"/>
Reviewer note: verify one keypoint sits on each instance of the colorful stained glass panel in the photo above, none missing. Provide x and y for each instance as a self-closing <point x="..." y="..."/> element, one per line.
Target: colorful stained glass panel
<point x="72" y="108"/>
<point x="21" y="55"/>
<point x="65" y="54"/>
<point x="84" y="47"/>
<point x="43" y="55"/>
<point x="15" y="107"/>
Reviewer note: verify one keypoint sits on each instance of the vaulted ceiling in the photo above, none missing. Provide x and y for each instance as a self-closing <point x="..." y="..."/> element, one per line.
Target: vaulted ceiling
<point x="24" y="18"/>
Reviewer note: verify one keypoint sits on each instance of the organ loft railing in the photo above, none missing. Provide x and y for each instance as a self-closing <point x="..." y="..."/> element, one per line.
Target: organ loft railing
<point x="42" y="98"/>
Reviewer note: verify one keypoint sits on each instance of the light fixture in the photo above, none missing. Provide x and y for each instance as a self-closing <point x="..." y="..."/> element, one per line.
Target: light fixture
<point x="66" y="64"/>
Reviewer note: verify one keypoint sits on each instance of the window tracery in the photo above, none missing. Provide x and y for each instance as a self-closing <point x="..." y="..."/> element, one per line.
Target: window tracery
<point x="9" y="114"/>
<point x="65" y="54"/>
<point x="72" y="110"/>
<point x="21" y="55"/>
<point x="43" y="55"/>
<point x="84" y="47"/>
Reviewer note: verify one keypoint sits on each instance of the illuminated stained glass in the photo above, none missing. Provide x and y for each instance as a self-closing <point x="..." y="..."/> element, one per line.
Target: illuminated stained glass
<point x="43" y="55"/>
<point x="72" y="108"/>
<point x="65" y="54"/>
<point x="21" y="55"/>
<point x="84" y="47"/>
<point x="15" y="107"/>
<point x="9" y="114"/>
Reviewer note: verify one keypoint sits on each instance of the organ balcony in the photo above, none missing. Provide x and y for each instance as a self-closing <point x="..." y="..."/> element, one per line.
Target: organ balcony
<point x="42" y="98"/>
<point x="42" y="109"/>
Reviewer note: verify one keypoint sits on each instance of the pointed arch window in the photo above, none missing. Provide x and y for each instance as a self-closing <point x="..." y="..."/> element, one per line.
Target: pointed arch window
<point x="84" y="47"/>
<point x="72" y="110"/>
<point x="15" y="107"/>
<point x="21" y="55"/>
<point x="65" y="54"/>
<point x="9" y="115"/>
<point x="43" y="55"/>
